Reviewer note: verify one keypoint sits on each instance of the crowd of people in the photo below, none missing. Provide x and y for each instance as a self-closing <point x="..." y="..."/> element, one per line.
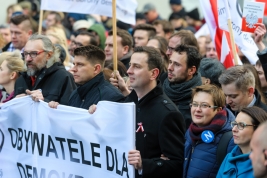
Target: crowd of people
<point x="194" y="117"/>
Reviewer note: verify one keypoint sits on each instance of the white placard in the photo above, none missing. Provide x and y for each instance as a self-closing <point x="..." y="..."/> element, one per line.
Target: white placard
<point x="37" y="141"/>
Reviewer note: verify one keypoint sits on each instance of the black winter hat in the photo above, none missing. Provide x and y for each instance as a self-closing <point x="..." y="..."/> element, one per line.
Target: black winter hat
<point x="178" y="2"/>
<point x="194" y="14"/>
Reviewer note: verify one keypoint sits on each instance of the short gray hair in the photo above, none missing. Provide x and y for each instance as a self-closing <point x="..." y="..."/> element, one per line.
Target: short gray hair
<point x="49" y="47"/>
<point x="242" y="77"/>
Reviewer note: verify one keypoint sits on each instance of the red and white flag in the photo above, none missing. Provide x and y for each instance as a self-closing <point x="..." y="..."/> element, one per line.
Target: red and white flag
<point x="242" y="39"/>
<point x="219" y="36"/>
<point x="216" y="18"/>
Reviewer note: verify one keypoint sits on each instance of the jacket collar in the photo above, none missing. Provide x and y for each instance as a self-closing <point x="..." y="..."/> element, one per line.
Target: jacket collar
<point x="256" y="103"/>
<point x="258" y="98"/>
<point x="150" y="95"/>
<point x="234" y="157"/>
<point x="85" y="88"/>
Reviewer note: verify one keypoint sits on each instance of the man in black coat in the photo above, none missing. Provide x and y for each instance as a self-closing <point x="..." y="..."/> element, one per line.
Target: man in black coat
<point x="160" y="127"/>
<point x="45" y="72"/>
<point x="87" y="71"/>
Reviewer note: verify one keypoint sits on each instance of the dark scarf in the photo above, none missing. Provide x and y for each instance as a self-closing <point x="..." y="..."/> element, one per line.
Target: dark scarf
<point x="216" y="125"/>
<point x="181" y="92"/>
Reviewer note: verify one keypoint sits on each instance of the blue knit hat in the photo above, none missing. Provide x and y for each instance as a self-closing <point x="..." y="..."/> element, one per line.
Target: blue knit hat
<point x="178" y="2"/>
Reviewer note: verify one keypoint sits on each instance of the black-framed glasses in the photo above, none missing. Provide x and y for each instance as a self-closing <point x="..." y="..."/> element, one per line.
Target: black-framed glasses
<point x="32" y="54"/>
<point x="201" y="105"/>
<point x="240" y="125"/>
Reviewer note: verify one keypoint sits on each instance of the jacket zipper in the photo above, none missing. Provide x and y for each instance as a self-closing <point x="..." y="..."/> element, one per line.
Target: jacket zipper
<point x="193" y="148"/>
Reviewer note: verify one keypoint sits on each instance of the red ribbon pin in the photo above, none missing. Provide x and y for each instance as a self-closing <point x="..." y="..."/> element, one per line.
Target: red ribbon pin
<point x="140" y="128"/>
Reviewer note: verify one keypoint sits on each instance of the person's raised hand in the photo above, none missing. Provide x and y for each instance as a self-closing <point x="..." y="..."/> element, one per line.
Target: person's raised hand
<point x="259" y="34"/>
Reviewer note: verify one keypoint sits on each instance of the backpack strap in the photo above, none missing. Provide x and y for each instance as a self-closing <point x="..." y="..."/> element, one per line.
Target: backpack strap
<point x="222" y="146"/>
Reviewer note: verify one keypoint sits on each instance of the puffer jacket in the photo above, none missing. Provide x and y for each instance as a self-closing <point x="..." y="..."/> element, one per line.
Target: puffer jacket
<point x="200" y="159"/>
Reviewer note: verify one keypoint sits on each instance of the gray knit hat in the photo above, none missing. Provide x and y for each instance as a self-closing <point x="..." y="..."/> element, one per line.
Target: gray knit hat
<point x="212" y="69"/>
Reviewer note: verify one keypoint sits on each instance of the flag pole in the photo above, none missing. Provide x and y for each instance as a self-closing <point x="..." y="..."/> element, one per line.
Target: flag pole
<point x="40" y="21"/>
<point x="114" y="29"/>
<point x="229" y="23"/>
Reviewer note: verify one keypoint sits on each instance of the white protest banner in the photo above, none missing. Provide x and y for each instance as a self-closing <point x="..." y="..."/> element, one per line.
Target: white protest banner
<point x="125" y="8"/>
<point x="243" y="40"/>
<point x="67" y="142"/>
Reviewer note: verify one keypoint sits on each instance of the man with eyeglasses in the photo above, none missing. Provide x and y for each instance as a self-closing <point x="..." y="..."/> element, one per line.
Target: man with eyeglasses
<point x="21" y="30"/>
<point x="46" y="77"/>
<point x="238" y="84"/>
<point x="258" y="153"/>
<point x="82" y="39"/>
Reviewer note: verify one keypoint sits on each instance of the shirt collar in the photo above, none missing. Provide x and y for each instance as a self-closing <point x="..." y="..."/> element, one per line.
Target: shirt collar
<point x="252" y="102"/>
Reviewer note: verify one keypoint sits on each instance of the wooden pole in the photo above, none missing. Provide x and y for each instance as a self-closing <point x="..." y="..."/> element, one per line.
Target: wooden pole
<point x="40" y="22"/>
<point x="232" y="41"/>
<point x="114" y="29"/>
<point x="230" y="28"/>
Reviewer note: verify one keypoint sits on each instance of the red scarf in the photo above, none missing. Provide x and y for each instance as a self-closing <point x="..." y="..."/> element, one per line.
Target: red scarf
<point x="216" y="125"/>
<point x="33" y="79"/>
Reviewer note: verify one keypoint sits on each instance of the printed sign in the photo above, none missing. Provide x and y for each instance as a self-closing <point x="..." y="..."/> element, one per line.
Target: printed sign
<point x="252" y="14"/>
